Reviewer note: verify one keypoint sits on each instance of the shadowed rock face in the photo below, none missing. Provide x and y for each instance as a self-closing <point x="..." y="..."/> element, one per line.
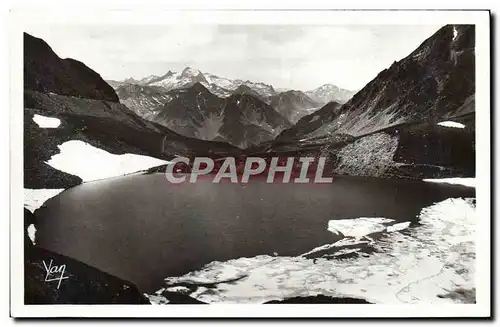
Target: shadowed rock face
<point x="193" y="112"/>
<point x="249" y="121"/>
<point x="45" y="72"/>
<point x="307" y="125"/>
<point x="143" y="100"/>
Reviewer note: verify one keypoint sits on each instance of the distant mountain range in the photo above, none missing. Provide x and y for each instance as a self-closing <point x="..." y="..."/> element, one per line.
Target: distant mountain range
<point x="291" y="104"/>
<point x="220" y="86"/>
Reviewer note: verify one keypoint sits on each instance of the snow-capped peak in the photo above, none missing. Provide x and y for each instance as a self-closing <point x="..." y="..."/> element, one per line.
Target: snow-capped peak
<point x="220" y="86"/>
<point x="130" y="80"/>
<point x="147" y="79"/>
<point x="329" y="92"/>
<point x="190" y="72"/>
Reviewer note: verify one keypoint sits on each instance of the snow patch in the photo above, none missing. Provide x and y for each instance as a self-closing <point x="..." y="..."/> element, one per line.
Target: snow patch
<point x="46" y="122"/>
<point x="428" y="260"/>
<point x="91" y="163"/>
<point x="357" y="227"/>
<point x="368" y="156"/>
<point x="453" y="124"/>
<point x="470" y="182"/>
<point x="35" y="198"/>
<point x="31" y="233"/>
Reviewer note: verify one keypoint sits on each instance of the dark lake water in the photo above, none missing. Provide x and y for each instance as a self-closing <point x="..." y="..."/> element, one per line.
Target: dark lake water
<point x="143" y="229"/>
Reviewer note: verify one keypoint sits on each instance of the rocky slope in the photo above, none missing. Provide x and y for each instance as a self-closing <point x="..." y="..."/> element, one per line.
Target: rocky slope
<point x="149" y="98"/>
<point x="409" y="150"/>
<point x="392" y="127"/>
<point x="220" y="86"/>
<point x="143" y="100"/>
<point x="84" y="284"/>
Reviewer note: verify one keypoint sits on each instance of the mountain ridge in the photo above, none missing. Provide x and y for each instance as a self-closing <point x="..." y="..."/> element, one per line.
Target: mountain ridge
<point x="240" y="119"/>
<point x="47" y="72"/>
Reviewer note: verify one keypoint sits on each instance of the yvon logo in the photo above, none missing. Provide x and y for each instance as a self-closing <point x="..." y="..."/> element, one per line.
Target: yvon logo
<point x="54" y="273"/>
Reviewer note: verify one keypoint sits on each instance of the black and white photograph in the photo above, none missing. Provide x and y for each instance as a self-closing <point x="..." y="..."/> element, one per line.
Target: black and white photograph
<point x="175" y="161"/>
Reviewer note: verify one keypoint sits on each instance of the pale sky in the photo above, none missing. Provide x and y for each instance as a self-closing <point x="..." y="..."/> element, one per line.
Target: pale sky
<point x="285" y="56"/>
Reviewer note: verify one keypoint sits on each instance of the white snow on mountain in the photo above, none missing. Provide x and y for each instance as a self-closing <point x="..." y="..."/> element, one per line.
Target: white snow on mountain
<point x="358" y="227"/>
<point x="451" y="124"/>
<point x="190" y="72"/>
<point x="264" y="90"/>
<point x="46" y="122"/>
<point x="147" y="79"/>
<point x="466" y="181"/>
<point x="222" y="82"/>
<point x="427" y="264"/>
<point x="329" y="92"/>
<point x="220" y="86"/>
<point x="35" y="198"/>
<point x="91" y="163"/>
<point x="223" y="87"/>
<point x="175" y="80"/>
